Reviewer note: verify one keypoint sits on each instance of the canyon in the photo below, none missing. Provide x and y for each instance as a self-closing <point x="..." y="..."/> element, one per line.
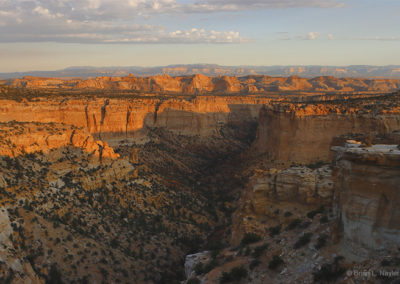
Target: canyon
<point x="125" y="177"/>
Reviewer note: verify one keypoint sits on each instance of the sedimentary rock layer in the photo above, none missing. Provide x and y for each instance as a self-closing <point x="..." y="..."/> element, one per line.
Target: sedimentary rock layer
<point x="303" y="133"/>
<point x="223" y="84"/>
<point x="25" y="138"/>
<point x="368" y="185"/>
<point x="125" y="118"/>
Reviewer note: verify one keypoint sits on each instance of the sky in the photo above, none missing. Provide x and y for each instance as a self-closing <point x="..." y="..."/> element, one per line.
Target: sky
<point x="55" y="34"/>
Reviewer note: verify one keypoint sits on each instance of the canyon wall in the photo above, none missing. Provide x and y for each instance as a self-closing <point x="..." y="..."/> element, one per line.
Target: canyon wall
<point x="367" y="182"/>
<point x="196" y="84"/>
<point x="25" y="138"/>
<point x="117" y="119"/>
<point x="302" y="134"/>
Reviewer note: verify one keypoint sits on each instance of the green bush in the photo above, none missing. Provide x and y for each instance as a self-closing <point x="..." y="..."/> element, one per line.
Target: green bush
<point x="250" y="238"/>
<point x="304" y="239"/>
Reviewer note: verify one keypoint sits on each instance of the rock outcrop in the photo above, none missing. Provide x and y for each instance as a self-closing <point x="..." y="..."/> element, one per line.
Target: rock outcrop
<point x="367" y="186"/>
<point x="109" y="119"/>
<point x="303" y="133"/>
<point x="195" y="84"/>
<point x="17" y="138"/>
<point x="297" y="185"/>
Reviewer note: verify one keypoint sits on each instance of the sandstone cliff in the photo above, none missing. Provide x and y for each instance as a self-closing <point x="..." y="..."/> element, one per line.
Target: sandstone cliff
<point x="367" y="182"/>
<point x="195" y="84"/>
<point x="119" y="119"/>
<point x="25" y="138"/>
<point x="302" y="133"/>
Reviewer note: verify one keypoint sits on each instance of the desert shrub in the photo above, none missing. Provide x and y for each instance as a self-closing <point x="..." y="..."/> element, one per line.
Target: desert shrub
<point x="288" y="214"/>
<point x="321" y="241"/>
<point x="258" y="251"/>
<point x="293" y="224"/>
<point x="250" y="238"/>
<point x="329" y="272"/>
<point x="275" y="262"/>
<point x="312" y="213"/>
<point x="193" y="281"/>
<point x="54" y="276"/>
<point x="254" y="264"/>
<point x="273" y="231"/>
<point x="315" y="165"/>
<point x="303" y="240"/>
<point x="236" y="274"/>
<point x="198" y="268"/>
<point x="210" y="266"/>
<point x="324" y="219"/>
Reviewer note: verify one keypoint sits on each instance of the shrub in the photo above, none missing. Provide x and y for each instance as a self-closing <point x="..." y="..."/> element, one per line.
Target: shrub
<point x="236" y="274"/>
<point x="250" y="238"/>
<point x="293" y="224"/>
<point x="210" y="266"/>
<point x="273" y="231"/>
<point x="254" y="264"/>
<point x="324" y="219"/>
<point x="312" y="213"/>
<point x="275" y="262"/>
<point x="321" y="241"/>
<point x="316" y="165"/>
<point x="193" y="281"/>
<point x="329" y="272"/>
<point x="199" y="269"/>
<point x="288" y="214"/>
<point x="304" y="239"/>
<point x="258" y="251"/>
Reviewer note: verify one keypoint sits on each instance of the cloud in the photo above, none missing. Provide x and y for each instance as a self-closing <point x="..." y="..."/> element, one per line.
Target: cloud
<point x="310" y="36"/>
<point x="331" y="36"/>
<point x="115" y="21"/>
<point x="239" y="5"/>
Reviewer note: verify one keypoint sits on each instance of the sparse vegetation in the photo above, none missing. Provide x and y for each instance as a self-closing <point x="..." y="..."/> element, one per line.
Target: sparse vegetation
<point x="250" y="238"/>
<point x="303" y="240"/>
<point x="275" y="262"/>
<point x="235" y="275"/>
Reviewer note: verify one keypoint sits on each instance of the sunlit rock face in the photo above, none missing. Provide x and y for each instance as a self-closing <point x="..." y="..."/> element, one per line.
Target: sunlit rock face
<point x="195" y="84"/>
<point x="117" y="119"/>
<point x="302" y="134"/>
<point x="20" y="138"/>
<point x="368" y="185"/>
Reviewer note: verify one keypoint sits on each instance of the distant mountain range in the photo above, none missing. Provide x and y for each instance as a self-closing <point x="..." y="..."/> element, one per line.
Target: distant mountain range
<point x="354" y="71"/>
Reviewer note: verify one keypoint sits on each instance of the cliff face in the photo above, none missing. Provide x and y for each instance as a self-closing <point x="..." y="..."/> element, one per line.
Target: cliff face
<point x="223" y="84"/>
<point x="303" y="134"/>
<point x="297" y="185"/>
<point x="126" y="118"/>
<point x="25" y="138"/>
<point x="368" y="185"/>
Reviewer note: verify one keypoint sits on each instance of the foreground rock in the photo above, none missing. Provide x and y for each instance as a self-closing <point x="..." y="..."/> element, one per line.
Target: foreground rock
<point x="368" y="189"/>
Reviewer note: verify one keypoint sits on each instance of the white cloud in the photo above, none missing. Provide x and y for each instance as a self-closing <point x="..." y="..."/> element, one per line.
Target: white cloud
<point x="113" y="20"/>
<point x="310" y="36"/>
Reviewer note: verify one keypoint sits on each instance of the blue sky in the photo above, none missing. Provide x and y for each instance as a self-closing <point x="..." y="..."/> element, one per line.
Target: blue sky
<point x="54" y="34"/>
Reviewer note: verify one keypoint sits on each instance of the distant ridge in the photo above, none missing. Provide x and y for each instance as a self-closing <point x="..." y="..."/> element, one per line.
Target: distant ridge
<point x="353" y="71"/>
